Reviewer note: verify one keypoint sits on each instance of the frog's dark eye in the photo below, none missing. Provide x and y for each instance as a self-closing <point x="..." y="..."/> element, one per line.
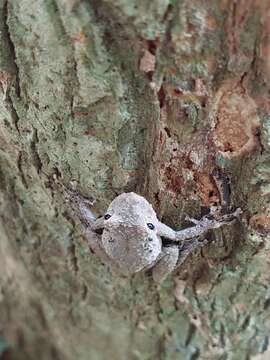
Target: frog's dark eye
<point x="107" y="216"/>
<point x="151" y="226"/>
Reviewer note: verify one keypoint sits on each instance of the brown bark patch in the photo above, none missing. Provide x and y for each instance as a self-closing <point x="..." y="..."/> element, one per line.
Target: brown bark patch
<point x="174" y="179"/>
<point x="80" y="37"/>
<point x="237" y="123"/>
<point x="148" y="62"/>
<point x="260" y="222"/>
<point x="206" y="190"/>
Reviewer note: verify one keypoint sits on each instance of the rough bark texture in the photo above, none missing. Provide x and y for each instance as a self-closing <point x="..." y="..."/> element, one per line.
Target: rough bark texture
<point x="164" y="97"/>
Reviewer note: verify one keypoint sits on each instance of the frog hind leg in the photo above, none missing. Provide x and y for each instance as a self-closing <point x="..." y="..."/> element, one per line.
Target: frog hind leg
<point x="166" y="264"/>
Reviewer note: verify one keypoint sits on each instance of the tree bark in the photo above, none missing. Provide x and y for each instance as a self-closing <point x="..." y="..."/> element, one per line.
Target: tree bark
<point x="166" y="98"/>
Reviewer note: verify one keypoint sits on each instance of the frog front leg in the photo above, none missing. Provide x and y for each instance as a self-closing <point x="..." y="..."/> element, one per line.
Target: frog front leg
<point x="201" y="227"/>
<point x="95" y="244"/>
<point x="93" y="227"/>
<point x="80" y="207"/>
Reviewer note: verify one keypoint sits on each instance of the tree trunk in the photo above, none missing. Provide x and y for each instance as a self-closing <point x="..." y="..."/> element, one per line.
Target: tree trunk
<point x="166" y="98"/>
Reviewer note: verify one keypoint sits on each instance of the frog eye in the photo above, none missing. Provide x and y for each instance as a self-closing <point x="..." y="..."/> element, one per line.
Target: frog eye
<point x="151" y="226"/>
<point x="107" y="216"/>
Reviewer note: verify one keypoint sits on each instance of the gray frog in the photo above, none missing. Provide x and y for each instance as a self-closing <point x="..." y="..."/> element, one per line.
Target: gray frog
<point x="129" y="236"/>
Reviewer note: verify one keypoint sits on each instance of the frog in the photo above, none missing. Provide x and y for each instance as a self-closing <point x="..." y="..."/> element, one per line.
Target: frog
<point x="130" y="238"/>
